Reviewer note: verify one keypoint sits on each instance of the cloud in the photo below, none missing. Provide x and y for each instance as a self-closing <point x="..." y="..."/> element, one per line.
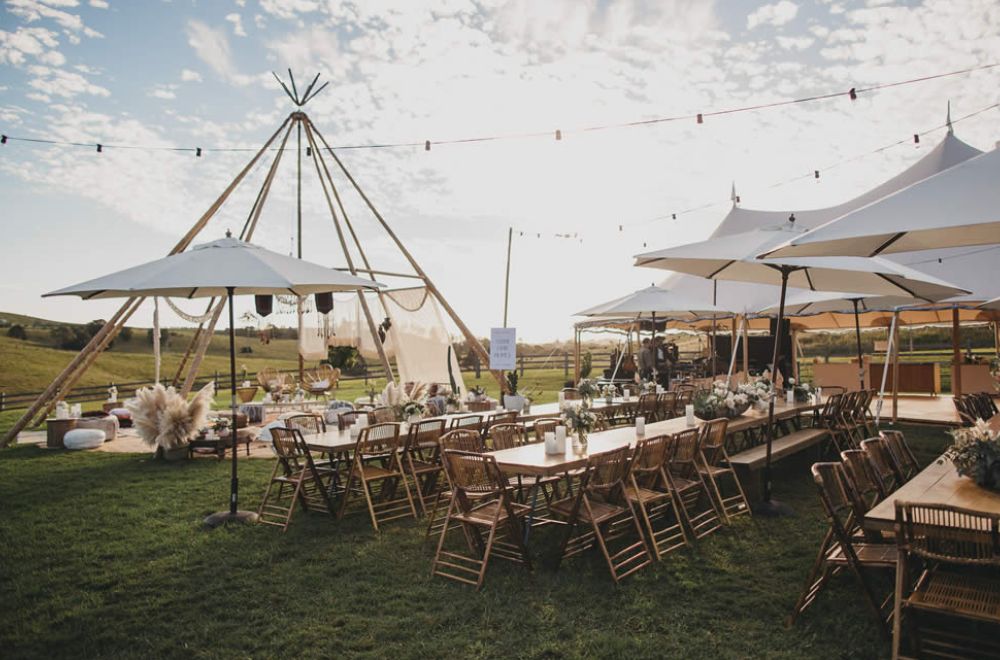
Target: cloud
<point x="163" y="92"/>
<point x="99" y="4"/>
<point x="58" y="82"/>
<point x="212" y="47"/>
<point x="237" y="22"/>
<point x="795" y="43"/>
<point x="35" y="10"/>
<point x="776" y="14"/>
<point x="16" y="47"/>
<point x="187" y="75"/>
<point x="289" y="8"/>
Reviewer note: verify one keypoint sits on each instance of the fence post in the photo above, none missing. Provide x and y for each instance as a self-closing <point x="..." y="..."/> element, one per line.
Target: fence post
<point x="215" y="381"/>
<point x="520" y="360"/>
<point x="565" y="365"/>
<point x="476" y="365"/>
<point x="1" y="401"/>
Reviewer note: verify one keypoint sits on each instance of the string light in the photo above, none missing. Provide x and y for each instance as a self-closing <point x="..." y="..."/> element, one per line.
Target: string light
<point x="699" y="117"/>
<point x="916" y="138"/>
<point x="100" y="148"/>
<point x="815" y="174"/>
<point x="197" y="152"/>
<point x="3" y="139"/>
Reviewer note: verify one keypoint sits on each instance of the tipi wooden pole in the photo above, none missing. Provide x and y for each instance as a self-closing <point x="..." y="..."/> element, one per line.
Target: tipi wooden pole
<point x="473" y="341"/>
<point x="248" y="231"/>
<point x="191" y="344"/>
<point x="746" y="348"/>
<point x="576" y="355"/>
<point x="322" y="169"/>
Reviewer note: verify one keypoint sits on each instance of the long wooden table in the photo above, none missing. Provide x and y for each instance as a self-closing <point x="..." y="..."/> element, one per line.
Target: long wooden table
<point x="938" y="483"/>
<point x="532" y="459"/>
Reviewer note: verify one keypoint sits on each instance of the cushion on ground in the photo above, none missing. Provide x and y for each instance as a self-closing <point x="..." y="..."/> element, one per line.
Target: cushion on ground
<point x="83" y="439"/>
<point x="124" y="416"/>
<point x="108" y="424"/>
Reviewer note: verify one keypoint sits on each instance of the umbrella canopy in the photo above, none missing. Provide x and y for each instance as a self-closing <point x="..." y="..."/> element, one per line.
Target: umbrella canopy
<point x="957" y="207"/>
<point x="210" y="269"/>
<point x="654" y="301"/>
<point x="733" y="257"/>
<point x="992" y="304"/>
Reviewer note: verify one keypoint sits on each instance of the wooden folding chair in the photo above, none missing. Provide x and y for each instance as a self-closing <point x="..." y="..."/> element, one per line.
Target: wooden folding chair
<point x="599" y="507"/>
<point x="313" y="424"/>
<point x="647" y="407"/>
<point x="382" y="415"/>
<point x="546" y="425"/>
<point x="422" y="458"/>
<point x="294" y="479"/>
<point x="505" y="417"/>
<point x="649" y="491"/>
<point x="570" y="394"/>
<point x="947" y="596"/>
<point x="465" y="440"/>
<point x="906" y="463"/>
<point x="864" y="477"/>
<point x="844" y="545"/>
<point x="667" y="403"/>
<point x="508" y="436"/>
<point x="377" y="463"/>
<point x="346" y="419"/>
<point x="715" y="468"/>
<point x="696" y="503"/>
<point x="832" y="418"/>
<point x="482" y="504"/>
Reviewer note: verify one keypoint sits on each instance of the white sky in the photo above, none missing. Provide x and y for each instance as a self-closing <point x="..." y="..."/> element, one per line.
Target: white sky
<point x="191" y="74"/>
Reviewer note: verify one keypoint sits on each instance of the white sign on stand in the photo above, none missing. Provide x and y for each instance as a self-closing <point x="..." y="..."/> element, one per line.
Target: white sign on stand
<point x="503" y="349"/>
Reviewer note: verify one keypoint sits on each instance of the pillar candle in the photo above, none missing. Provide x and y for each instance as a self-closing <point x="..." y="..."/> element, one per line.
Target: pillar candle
<point x="561" y="438"/>
<point x="689" y="414"/>
<point x="790" y="396"/>
<point x="551" y="446"/>
<point x="640" y="426"/>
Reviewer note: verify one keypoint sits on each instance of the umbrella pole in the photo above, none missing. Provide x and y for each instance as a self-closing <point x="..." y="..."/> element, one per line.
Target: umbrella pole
<point x="771" y="507"/>
<point x="233" y="515"/>
<point x="857" y="334"/>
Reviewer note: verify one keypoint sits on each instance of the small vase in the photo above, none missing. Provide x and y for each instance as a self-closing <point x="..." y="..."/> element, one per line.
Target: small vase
<point x="414" y="418"/>
<point x="609" y="400"/>
<point x="580" y="446"/>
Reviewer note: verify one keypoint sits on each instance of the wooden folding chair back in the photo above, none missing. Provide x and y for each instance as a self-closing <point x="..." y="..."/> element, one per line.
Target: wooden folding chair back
<point x="901" y="453"/>
<point x="600" y="513"/>
<point x="648" y="406"/>
<point x="468" y="440"/>
<point x="717" y="470"/>
<point x="684" y="475"/>
<point x="885" y="465"/>
<point x="667" y="402"/>
<point x="480" y="503"/>
<point x="422" y="456"/>
<point x="571" y="394"/>
<point x="546" y="425"/>
<point x="379" y="439"/>
<point x="864" y="476"/>
<point x="295" y="479"/>
<point x="307" y="423"/>
<point x="505" y="417"/>
<point x="685" y="394"/>
<point x="469" y="422"/>
<point x="426" y="433"/>
<point x="347" y="418"/>
<point x="841" y="548"/>
<point x="713" y="441"/>
<point x="382" y="415"/>
<point x="507" y="436"/>
<point x="948" y="572"/>
<point x="377" y="472"/>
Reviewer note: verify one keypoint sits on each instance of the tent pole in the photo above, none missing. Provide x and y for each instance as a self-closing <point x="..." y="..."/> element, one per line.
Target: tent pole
<point x="576" y="355"/>
<point x="771" y="507"/>
<point x="857" y="336"/>
<point x="895" y="374"/>
<point x="885" y="368"/>
<point x="732" y="353"/>
<point x="321" y="170"/>
<point x="298" y="213"/>
<point x="956" y="355"/>
<point x="711" y="354"/>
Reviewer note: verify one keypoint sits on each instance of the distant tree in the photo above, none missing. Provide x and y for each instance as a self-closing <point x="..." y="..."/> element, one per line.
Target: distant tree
<point x="164" y="337"/>
<point x="126" y="334"/>
<point x="17" y="332"/>
<point x="75" y="337"/>
<point x="246" y="349"/>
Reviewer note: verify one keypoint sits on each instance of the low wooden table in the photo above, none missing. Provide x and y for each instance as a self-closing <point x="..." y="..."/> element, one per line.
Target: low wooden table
<point x="938" y="483"/>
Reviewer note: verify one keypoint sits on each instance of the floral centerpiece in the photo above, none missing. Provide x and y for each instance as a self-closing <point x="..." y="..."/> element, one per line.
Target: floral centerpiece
<point x="413" y="410"/>
<point x="405" y="403"/>
<point x="803" y="392"/>
<point x="477" y="393"/>
<point x="609" y="391"/>
<point x="587" y="389"/>
<point x="976" y="454"/>
<point x="581" y="420"/>
<point x="760" y="390"/>
<point x="452" y="402"/>
<point x="720" y="401"/>
<point x="649" y="387"/>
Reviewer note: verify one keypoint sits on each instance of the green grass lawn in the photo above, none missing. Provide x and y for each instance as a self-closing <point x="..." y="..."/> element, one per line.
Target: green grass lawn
<point x="104" y="556"/>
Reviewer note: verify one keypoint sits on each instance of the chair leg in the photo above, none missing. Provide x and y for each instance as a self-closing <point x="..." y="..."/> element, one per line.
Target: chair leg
<point x="818" y="576"/>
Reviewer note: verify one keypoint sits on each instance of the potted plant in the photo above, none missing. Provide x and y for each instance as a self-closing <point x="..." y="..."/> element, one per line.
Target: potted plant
<point x="514" y="400"/>
<point x="582" y="420"/>
<point x="167" y="421"/>
<point x="976" y="454"/>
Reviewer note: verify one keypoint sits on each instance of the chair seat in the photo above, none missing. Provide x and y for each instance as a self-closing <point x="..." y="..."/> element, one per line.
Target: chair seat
<point x="881" y="555"/>
<point x="714" y="470"/>
<point x="682" y="484"/>
<point x="375" y="472"/>
<point x="421" y="467"/>
<point x="484" y="514"/>
<point x="602" y="511"/>
<point x="974" y="596"/>
<point x="645" y="495"/>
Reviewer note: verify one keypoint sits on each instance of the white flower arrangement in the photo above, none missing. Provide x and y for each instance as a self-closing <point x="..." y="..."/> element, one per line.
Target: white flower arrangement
<point x="721" y="401"/>
<point x="976" y="454"/>
<point x="579" y="417"/>
<point x="609" y="391"/>
<point x="402" y="403"/>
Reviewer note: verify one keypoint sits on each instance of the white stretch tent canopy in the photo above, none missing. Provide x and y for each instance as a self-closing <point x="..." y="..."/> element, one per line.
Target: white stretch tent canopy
<point x="957" y="207"/>
<point x="742" y="298"/>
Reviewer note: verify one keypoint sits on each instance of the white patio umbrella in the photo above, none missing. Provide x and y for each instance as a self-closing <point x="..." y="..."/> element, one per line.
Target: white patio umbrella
<point x="225" y="267"/>
<point x="991" y="304"/>
<point x="733" y="257"/>
<point x="957" y="207"/>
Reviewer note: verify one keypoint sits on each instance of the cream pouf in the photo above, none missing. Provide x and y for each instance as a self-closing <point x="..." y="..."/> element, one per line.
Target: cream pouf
<point x="83" y="439"/>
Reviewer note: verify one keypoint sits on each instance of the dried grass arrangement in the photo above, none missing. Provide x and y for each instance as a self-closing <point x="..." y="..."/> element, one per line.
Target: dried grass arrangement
<point x="165" y="420"/>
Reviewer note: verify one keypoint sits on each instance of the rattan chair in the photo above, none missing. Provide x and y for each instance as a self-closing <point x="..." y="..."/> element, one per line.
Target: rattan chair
<point x="905" y="462"/>
<point x="505" y="417"/>
<point x="696" y="503"/>
<point x="482" y="505"/>
<point x="295" y="479"/>
<point x="422" y="459"/>
<point x="347" y="418"/>
<point x="649" y="491"/>
<point x="648" y="407"/>
<point x="464" y="440"/>
<point x="468" y="422"/>
<point x="843" y="546"/>
<point x="947" y="600"/>
<point x="376" y="474"/>
<point x="716" y="470"/>
<point x="667" y="402"/>
<point x="600" y="507"/>
<point x="307" y="423"/>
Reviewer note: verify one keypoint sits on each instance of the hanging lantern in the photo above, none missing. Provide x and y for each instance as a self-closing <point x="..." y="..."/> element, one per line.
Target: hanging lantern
<point x="324" y="302"/>
<point x="263" y="304"/>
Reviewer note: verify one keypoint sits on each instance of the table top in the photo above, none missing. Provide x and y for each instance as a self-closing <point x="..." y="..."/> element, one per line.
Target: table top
<point x="994" y="423"/>
<point x="532" y="459"/>
<point x="938" y="483"/>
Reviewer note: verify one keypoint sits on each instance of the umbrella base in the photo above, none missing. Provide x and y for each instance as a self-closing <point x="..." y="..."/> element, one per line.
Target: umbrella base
<point x="225" y="517"/>
<point x="772" y="509"/>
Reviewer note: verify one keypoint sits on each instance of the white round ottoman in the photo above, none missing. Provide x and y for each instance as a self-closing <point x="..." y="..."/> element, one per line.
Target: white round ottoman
<point x="83" y="439"/>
